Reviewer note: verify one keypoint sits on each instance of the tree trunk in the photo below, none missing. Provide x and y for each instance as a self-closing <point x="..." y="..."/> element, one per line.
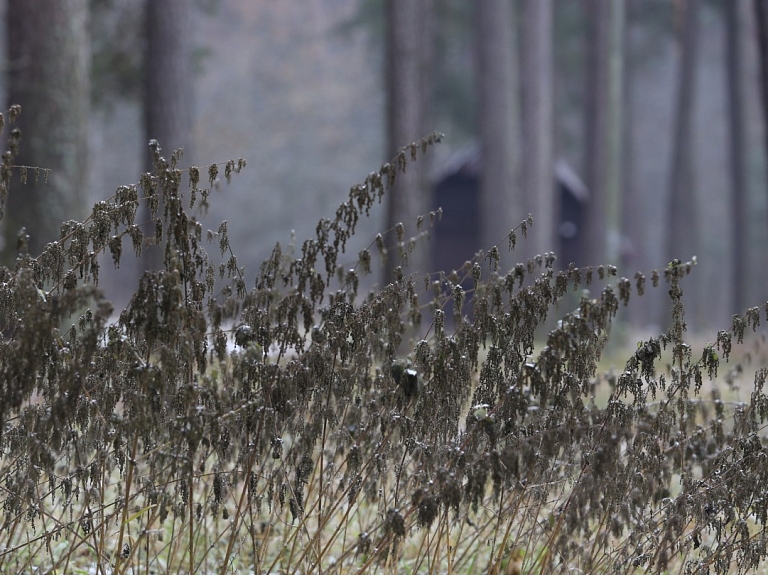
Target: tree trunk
<point x="49" y="62"/>
<point x="501" y="204"/>
<point x="596" y="130"/>
<point x="604" y="131"/>
<point x="761" y="15"/>
<point x="736" y="106"/>
<point x="168" y="88"/>
<point x="634" y="208"/>
<point x="409" y="33"/>
<point x="536" y="64"/>
<point x="615" y="138"/>
<point x="682" y="228"/>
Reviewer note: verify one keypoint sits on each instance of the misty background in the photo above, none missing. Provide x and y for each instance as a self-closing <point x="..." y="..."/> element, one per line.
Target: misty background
<point x="301" y="91"/>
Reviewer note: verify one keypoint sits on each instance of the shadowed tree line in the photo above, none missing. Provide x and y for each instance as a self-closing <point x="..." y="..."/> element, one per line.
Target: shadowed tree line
<point x="531" y="81"/>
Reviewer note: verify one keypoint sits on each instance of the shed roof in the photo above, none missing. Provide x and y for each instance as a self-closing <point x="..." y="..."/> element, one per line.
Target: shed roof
<point x="466" y="162"/>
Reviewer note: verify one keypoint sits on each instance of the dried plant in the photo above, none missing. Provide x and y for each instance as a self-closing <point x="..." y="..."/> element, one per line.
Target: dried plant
<point x="288" y="423"/>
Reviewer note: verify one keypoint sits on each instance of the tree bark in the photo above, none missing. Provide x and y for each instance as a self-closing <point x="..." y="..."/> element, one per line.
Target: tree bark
<point x="501" y="204"/>
<point x="615" y="138"/>
<point x="409" y="35"/>
<point x="168" y="75"/>
<point x="536" y="65"/>
<point x="634" y="208"/>
<point x="596" y="130"/>
<point x="682" y="227"/>
<point x="49" y="60"/>
<point x="168" y="89"/>
<point x="761" y="13"/>
<point x="604" y="131"/>
<point x="761" y="16"/>
<point x="736" y="106"/>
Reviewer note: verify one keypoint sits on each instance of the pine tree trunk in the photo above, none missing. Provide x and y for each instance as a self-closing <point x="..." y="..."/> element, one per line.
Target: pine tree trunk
<point x="736" y="105"/>
<point x="409" y="39"/>
<point x="49" y="63"/>
<point x="682" y="228"/>
<point x="615" y="138"/>
<point x="536" y="64"/>
<point x="501" y="203"/>
<point x="168" y="90"/>
<point x="596" y="131"/>
<point x="761" y="17"/>
<point x="634" y="208"/>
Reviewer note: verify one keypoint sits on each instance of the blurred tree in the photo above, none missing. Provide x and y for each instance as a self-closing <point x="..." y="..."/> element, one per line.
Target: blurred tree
<point x="409" y="38"/>
<point x="498" y="107"/>
<point x="605" y="158"/>
<point x="615" y="141"/>
<point x="48" y="75"/>
<point x="596" y="130"/>
<point x="536" y="75"/>
<point x="635" y="226"/>
<point x="168" y="85"/>
<point x="736" y="105"/>
<point x="681" y="228"/>
<point x="117" y="28"/>
<point x="452" y="103"/>
<point x="761" y="16"/>
<point x="116" y="31"/>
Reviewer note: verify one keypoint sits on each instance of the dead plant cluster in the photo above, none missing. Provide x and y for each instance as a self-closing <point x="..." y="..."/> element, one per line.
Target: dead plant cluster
<point x="289" y="423"/>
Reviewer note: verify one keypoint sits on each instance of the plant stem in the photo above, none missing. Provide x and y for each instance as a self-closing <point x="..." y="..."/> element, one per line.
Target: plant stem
<point x="124" y="522"/>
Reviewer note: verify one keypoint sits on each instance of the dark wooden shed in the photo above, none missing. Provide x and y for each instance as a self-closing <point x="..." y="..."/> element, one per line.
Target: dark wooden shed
<point x="457" y="234"/>
<point x="456" y="238"/>
<point x="573" y="196"/>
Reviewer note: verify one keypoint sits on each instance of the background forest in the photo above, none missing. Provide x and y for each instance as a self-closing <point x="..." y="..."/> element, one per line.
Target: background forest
<point x="329" y="393"/>
<point x="655" y="105"/>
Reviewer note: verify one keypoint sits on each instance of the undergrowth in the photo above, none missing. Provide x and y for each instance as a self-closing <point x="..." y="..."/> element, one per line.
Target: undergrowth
<point x="288" y="423"/>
